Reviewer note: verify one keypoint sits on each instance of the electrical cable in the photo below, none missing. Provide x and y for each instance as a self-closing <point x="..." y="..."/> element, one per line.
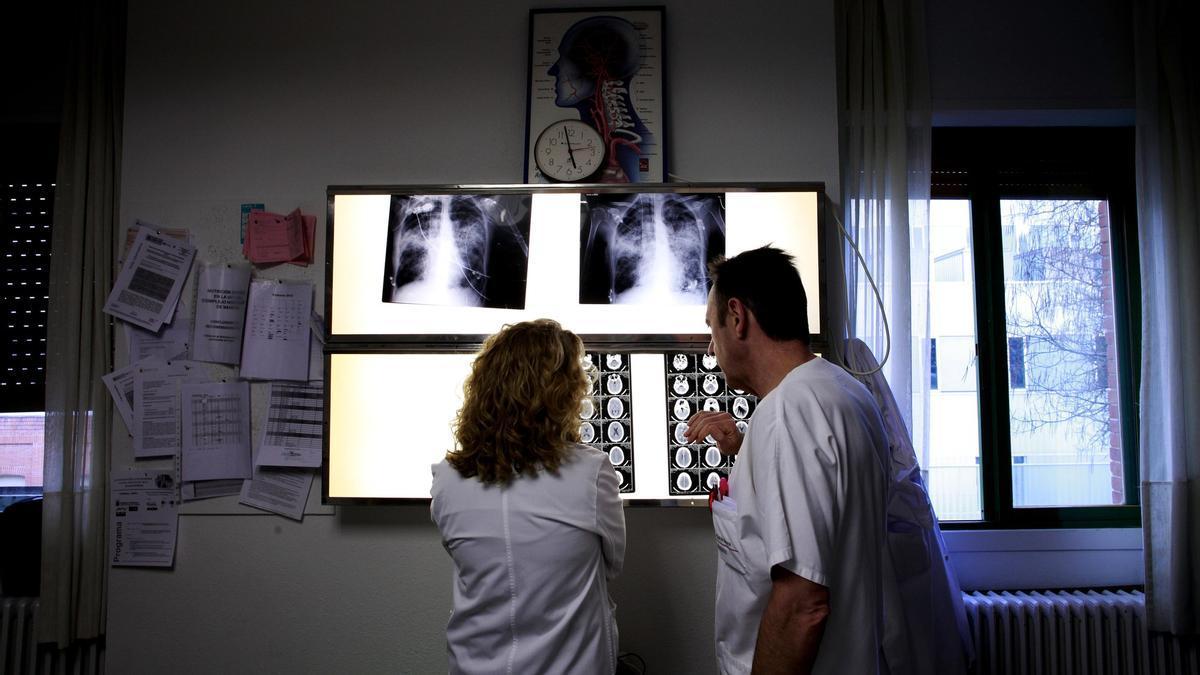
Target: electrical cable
<point x="887" y="331"/>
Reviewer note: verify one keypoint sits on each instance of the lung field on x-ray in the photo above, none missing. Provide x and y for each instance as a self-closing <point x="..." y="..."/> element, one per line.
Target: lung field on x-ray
<point x="649" y="248"/>
<point x="458" y="250"/>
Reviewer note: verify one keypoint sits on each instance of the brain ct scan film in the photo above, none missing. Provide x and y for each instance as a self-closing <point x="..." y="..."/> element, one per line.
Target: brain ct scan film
<point x="694" y="383"/>
<point x="649" y="248"/>
<point x="606" y="418"/>
<point x="457" y="250"/>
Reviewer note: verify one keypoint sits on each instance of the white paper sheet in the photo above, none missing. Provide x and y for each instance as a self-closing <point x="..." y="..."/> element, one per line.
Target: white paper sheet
<point x="147" y="289"/>
<point x="120" y="386"/>
<point x="156" y="406"/>
<point x="216" y="430"/>
<point x="277" y="331"/>
<point x="282" y="491"/>
<point x="292" y="434"/>
<point x="143" y="519"/>
<point x="172" y="341"/>
<point x="221" y="292"/>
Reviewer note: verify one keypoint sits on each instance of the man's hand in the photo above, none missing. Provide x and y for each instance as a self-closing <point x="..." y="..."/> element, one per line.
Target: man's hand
<point x="793" y="622"/>
<point x="720" y="426"/>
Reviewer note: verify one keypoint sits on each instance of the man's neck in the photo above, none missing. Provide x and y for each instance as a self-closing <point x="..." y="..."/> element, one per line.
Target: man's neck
<point x="773" y="360"/>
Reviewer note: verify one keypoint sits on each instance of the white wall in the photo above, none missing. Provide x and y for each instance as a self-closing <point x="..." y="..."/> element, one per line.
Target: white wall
<point x="248" y="101"/>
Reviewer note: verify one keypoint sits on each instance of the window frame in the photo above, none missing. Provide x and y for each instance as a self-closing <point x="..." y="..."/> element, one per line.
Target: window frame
<point x="985" y="166"/>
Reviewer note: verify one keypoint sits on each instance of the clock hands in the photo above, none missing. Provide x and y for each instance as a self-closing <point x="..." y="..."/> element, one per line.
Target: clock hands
<point x="570" y="152"/>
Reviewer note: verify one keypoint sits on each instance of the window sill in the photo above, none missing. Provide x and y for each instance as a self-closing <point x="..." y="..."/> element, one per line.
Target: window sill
<point x="1044" y="559"/>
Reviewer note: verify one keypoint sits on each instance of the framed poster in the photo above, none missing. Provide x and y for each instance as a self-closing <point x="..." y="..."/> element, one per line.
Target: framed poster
<point x="603" y="68"/>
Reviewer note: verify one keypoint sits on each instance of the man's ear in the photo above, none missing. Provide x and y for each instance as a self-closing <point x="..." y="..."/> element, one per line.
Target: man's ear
<point x="739" y="316"/>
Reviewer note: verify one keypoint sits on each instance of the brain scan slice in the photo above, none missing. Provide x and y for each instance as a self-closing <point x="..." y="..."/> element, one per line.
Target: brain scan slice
<point x="682" y="410"/>
<point x="683" y="457"/>
<point x="700" y="387"/>
<point x="682" y="386"/>
<point x="609" y="427"/>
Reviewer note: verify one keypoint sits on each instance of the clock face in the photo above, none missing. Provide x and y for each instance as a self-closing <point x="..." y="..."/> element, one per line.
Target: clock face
<point x="569" y="150"/>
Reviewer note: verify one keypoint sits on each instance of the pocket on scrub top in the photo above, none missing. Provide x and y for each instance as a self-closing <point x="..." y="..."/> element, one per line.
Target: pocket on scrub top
<point x="726" y="533"/>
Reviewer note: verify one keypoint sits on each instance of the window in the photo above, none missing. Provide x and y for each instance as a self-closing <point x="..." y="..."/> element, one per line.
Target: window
<point x="27" y="194"/>
<point x="1032" y="417"/>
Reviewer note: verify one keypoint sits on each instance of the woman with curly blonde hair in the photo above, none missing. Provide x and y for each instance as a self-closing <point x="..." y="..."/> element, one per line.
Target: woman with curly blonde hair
<point x="531" y="517"/>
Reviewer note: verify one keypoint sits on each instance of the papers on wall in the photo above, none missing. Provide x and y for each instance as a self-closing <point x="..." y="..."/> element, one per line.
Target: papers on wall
<point x="273" y="238"/>
<point x="120" y="386"/>
<point x="277" y="331"/>
<point x="207" y="489"/>
<point x="156" y="406"/>
<point x="216" y="430"/>
<point x="282" y="491"/>
<point x="143" y="518"/>
<point x="292" y="434"/>
<point x="180" y="233"/>
<point x="220" y="312"/>
<point x="147" y="289"/>
<point x="172" y="341"/>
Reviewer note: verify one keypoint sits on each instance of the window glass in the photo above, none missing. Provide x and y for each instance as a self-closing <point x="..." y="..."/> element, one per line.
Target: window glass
<point x="953" y="466"/>
<point x="1063" y="402"/>
<point x="21" y="443"/>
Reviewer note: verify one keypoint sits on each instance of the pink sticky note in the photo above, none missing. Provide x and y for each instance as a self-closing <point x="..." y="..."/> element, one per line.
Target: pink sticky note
<point x="272" y="238"/>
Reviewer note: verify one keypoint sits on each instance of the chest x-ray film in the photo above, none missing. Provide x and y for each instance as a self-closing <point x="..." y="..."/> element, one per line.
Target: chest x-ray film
<point x="457" y="250"/>
<point x="601" y="262"/>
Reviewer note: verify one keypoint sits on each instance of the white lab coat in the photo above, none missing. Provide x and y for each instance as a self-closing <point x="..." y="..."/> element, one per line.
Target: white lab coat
<point x="923" y="607"/>
<point x="807" y="494"/>
<point x="532" y="563"/>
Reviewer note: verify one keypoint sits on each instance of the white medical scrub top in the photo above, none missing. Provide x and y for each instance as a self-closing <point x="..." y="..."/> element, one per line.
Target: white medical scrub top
<point x="532" y="562"/>
<point x="808" y="493"/>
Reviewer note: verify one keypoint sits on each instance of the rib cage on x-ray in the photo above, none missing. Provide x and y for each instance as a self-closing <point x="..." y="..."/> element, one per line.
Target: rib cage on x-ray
<point x="458" y="250"/>
<point x="650" y="248"/>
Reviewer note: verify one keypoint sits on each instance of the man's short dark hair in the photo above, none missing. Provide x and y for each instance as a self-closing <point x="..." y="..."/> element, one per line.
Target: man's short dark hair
<point x="765" y="280"/>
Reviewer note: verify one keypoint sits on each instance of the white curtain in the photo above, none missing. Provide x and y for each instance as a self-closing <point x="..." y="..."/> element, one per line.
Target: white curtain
<point x="1167" y="58"/>
<point x="885" y="148"/>
<point x="79" y="336"/>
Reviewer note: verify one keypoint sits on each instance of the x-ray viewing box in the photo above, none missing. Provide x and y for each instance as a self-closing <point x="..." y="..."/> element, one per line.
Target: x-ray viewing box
<point x="395" y="366"/>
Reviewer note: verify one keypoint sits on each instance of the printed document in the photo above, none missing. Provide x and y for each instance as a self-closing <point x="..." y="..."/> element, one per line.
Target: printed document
<point x="221" y="292"/>
<point x="282" y="491"/>
<point x="292" y="434"/>
<point x="216" y="430"/>
<point x="147" y="289"/>
<point x="277" y="335"/>
<point x="173" y="341"/>
<point x="143" y="518"/>
<point x="156" y="406"/>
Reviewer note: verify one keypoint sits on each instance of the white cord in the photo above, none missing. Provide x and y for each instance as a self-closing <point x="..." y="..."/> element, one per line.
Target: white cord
<point x="887" y="332"/>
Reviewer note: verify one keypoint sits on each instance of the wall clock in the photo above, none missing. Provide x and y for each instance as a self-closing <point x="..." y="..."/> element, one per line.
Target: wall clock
<point x="569" y="151"/>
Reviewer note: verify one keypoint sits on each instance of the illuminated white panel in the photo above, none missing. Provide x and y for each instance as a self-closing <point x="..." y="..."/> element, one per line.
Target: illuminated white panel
<point x="647" y="373"/>
<point x="786" y="220"/>
<point x="390" y="418"/>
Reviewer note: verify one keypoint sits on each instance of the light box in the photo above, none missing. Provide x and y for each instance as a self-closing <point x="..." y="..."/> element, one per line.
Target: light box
<point x="512" y="253"/>
<point x="418" y="277"/>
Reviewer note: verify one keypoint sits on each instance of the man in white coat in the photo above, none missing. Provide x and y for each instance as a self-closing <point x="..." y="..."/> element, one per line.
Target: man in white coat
<point x="800" y="531"/>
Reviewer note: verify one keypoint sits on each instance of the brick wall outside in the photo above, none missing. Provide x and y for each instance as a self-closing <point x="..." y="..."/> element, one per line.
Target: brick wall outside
<point x="21" y="442"/>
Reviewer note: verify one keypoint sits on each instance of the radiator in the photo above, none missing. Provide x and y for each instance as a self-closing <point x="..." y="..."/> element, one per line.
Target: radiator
<point x="1071" y="632"/>
<point x="18" y="648"/>
<point x="20" y="654"/>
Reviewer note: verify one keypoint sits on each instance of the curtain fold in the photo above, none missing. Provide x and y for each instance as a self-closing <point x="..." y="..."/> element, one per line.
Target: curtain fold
<point x="1167" y="63"/>
<point x="885" y="154"/>
<point x="79" y="335"/>
<point x="885" y="150"/>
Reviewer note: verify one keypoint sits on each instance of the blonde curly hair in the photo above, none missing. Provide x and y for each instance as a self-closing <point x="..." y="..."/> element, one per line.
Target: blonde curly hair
<point x="521" y="403"/>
